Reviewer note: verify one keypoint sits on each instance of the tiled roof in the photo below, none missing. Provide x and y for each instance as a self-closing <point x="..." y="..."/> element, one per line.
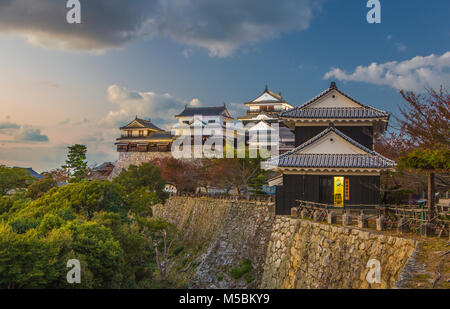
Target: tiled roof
<point x="334" y="112"/>
<point x="294" y="158"/>
<point x="306" y="112"/>
<point x="277" y="97"/>
<point x="154" y="137"/>
<point x="204" y="111"/>
<point x="146" y="124"/>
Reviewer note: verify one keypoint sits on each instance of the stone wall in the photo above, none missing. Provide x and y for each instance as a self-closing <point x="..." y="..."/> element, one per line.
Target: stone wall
<point x="134" y="158"/>
<point x="285" y="252"/>
<point x="305" y="254"/>
<point x="231" y="231"/>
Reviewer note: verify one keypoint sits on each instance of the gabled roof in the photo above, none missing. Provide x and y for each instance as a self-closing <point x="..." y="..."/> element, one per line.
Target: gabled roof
<point x="138" y="123"/>
<point x="267" y="97"/>
<point x="356" y="111"/>
<point x="364" y="158"/>
<point x="205" y="111"/>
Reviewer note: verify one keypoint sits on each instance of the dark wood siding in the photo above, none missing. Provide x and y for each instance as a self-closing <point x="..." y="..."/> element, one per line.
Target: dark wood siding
<point x="361" y="134"/>
<point x="363" y="190"/>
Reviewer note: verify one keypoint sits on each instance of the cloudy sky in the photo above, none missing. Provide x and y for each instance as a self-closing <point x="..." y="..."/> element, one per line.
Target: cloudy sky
<point x="63" y="84"/>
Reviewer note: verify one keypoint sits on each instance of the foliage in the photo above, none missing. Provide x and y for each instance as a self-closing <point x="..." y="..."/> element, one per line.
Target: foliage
<point x="257" y="183"/>
<point x="420" y="143"/>
<point x="14" y="178"/>
<point x="244" y="268"/>
<point x="96" y="222"/>
<point x="39" y="187"/>
<point x="76" y="163"/>
<point x="146" y="175"/>
<point x="427" y="159"/>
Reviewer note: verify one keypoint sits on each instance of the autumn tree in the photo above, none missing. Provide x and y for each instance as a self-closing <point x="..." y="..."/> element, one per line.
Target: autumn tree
<point x="422" y="139"/>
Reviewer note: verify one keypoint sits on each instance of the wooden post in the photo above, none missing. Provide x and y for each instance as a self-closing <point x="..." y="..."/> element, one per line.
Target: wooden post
<point x="363" y="222"/>
<point x="331" y="218"/>
<point x="316" y="215"/>
<point x="304" y="213"/>
<point x="345" y="219"/>
<point x="381" y="223"/>
<point x="431" y="197"/>
<point x="402" y="227"/>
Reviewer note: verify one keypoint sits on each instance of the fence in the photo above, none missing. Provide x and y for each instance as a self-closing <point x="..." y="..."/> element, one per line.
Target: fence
<point x="229" y="197"/>
<point x="403" y="218"/>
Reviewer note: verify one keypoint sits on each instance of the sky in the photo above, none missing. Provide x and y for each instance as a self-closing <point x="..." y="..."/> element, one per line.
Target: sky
<point x="62" y="84"/>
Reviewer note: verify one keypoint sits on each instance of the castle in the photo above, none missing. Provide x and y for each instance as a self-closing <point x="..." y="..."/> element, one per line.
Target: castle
<point x="326" y="146"/>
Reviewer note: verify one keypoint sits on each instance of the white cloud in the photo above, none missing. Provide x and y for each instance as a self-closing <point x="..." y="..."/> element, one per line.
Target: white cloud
<point x="414" y="74"/>
<point x="219" y="26"/>
<point x="160" y="108"/>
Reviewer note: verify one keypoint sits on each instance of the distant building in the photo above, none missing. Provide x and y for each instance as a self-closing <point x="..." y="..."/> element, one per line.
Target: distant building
<point x="264" y="111"/>
<point x="143" y="136"/>
<point x="334" y="161"/>
<point x="101" y="172"/>
<point x="202" y="117"/>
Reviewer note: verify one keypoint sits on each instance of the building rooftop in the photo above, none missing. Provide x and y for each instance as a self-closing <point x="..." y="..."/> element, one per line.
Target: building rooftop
<point x="138" y="123"/>
<point x="349" y="108"/>
<point x="362" y="157"/>
<point x="205" y="111"/>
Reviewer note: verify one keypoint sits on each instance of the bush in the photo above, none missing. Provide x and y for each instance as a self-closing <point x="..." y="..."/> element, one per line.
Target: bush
<point x="244" y="268"/>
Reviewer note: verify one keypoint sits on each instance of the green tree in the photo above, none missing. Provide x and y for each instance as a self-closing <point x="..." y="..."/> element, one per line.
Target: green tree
<point x="76" y="163"/>
<point x="14" y="178"/>
<point x="429" y="161"/>
<point x="41" y="186"/>
<point x="146" y="175"/>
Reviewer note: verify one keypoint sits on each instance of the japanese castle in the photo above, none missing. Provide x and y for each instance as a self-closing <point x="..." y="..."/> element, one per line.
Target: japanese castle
<point x="334" y="161"/>
<point x="326" y="145"/>
<point x="263" y="111"/>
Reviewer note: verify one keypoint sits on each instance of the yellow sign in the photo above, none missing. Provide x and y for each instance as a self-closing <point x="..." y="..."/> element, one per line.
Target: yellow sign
<point x="338" y="191"/>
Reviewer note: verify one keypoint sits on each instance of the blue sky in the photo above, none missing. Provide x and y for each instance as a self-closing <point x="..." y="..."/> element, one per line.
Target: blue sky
<point x="65" y="84"/>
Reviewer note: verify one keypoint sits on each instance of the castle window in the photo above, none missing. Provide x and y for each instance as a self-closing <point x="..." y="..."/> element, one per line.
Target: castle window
<point x="141" y="133"/>
<point x="130" y="133"/>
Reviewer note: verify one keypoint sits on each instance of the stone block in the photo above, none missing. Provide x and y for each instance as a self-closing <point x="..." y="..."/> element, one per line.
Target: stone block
<point x="294" y="212"/>
<point x="381" y="223"/>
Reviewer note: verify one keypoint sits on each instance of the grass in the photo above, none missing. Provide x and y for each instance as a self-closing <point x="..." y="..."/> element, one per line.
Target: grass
<point x="244" y="268"/>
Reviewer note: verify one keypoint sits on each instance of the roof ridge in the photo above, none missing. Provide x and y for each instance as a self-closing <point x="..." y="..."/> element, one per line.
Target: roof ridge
<point x="322" y="134"/>
<point x="326" y="91"/>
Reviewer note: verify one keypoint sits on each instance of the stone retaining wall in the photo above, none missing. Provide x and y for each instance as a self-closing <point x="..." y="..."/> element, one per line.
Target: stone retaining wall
<point x="305" y="254"/>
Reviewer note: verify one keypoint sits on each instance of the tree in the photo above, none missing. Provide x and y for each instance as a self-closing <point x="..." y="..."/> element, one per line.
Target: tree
<point x="146" y="175"/>
<point x="422" y="138"/>
<point x="184" y="175"/>
<point x="14" y="178"/>
<point x="76" y="163"/>
<point x="41" y="186"/>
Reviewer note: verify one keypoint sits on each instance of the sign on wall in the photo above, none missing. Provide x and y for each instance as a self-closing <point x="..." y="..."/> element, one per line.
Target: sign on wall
<point x="347" y="189"/>
<point x="339" y="191"/>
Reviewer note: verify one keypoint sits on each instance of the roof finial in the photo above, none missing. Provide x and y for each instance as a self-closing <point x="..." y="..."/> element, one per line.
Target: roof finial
<point x="136" y="117"/>
<point x="331" y="125"/>
<point x="333" y="85"/>
<point x="280" y="94"/>
<point x="267" y="88"/>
